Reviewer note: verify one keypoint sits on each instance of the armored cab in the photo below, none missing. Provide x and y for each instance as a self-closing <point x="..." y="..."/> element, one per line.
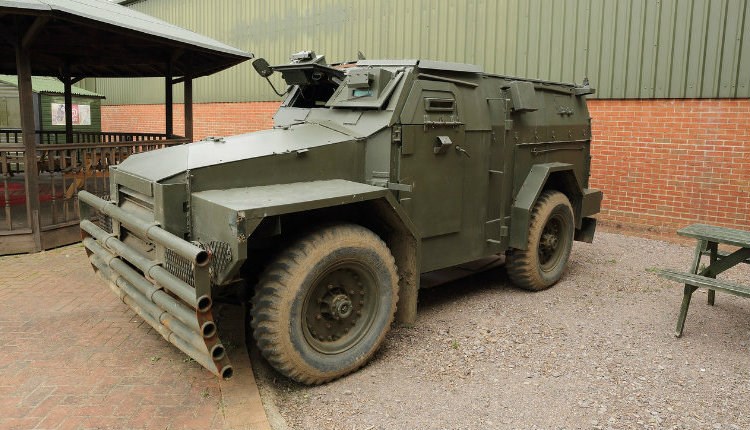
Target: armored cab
<point x="374" y="173"/>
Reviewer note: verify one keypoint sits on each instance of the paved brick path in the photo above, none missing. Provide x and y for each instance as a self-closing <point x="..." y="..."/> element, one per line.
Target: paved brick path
<point x="73" y="356"/>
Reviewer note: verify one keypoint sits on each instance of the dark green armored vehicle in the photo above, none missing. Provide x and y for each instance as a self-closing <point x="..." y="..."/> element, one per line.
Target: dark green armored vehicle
<point x="374" y="173"/>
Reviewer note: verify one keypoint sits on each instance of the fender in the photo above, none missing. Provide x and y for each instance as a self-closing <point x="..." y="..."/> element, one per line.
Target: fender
<point x="231" y="216"/>
<point x="529" y="192"/>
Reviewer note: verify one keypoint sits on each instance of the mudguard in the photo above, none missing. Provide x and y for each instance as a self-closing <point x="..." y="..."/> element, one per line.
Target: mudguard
<point x="585" y="202"/>
<point x="225" y="219"/>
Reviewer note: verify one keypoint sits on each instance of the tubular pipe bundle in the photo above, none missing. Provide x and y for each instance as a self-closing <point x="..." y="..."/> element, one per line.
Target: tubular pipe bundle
<point x="150" y="268"/>
<point x="144" y="309"/>
<point x="164" y="300"/>
<point x="150" y="308"/>
<point x="143" y="228"/>
<point x="190" y="330"/>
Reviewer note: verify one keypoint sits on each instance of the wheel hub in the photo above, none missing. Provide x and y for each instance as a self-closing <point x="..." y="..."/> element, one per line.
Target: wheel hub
<point x="340" y="306"/>
<point x="338" y="309"/>
<point x="548" y="243"/>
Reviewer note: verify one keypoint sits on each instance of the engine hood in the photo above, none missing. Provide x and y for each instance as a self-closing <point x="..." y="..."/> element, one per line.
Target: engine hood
<point x="164" y="163"/>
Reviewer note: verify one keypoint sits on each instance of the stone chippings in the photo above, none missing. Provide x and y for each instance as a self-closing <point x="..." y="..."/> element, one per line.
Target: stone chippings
<point x="595" y="351"/>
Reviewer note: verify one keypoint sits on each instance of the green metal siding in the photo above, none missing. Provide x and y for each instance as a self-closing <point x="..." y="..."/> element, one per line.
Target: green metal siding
<point x="627" y="48"/>
<point x="46" y="113"/>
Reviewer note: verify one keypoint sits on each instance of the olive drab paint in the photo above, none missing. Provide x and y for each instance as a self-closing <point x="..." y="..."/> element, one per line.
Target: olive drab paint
<point x="442" y="161"/>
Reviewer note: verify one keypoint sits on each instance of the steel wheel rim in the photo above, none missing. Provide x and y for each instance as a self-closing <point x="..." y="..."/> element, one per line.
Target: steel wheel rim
<point x="339" y="307"/>
<point x="552" y="242"/>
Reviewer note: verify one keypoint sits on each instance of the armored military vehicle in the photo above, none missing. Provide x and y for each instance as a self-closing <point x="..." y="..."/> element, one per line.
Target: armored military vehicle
<point x="374" y="173"/>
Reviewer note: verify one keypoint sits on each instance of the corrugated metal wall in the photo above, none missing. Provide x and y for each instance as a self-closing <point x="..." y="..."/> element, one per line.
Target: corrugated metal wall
<point x="627" y="48"/>
<point x="10" y="111"/>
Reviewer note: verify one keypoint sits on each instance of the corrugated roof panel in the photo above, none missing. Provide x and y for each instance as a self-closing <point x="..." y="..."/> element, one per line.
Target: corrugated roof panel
<point x="664" y="46"/>
<point x="619" y="55"/>
<point x="114" y="14"/>
<point x="697" y="43"/>
<point x="631" y="59"/>
<point x="581" y="40"/>
<point x="627" y="48"/>
<point x="712" y="54"/>
<point x="507" y="61"/>
<point x="680" y="52"/>
<point x="649" y="46"/>
<point x="731" y="48"/>
<point x="608" y="46"/>
<point x="743" y="70"/>
<point x="47" y="85"/>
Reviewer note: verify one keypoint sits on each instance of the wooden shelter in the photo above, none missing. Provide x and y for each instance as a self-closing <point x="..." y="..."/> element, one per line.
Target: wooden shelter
<point x="72" y="40"/>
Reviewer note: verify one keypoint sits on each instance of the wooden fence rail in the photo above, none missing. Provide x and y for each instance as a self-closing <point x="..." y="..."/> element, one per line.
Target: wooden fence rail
<point x="64" y="169"/>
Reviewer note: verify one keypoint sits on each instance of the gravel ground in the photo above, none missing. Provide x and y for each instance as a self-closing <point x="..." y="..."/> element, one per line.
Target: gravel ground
<point x="595" y="351"/>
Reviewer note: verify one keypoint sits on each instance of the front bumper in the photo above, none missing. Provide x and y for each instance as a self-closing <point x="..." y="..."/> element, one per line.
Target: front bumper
<point x="179" y="311"/>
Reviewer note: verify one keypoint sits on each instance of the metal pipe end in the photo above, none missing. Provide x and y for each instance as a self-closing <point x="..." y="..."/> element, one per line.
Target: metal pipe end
<point x="218" y="351"/>
<point x="208" y="329"/>
<point x="204" y="303"/>
<point x="226" y="372"/>
<point x="202" y="258"/>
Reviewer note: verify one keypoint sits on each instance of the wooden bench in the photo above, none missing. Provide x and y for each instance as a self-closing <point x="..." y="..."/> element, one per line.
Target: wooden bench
<point x="699" y="281"/>
<point x="709" y="238"/>
<point x="723" y="254"/>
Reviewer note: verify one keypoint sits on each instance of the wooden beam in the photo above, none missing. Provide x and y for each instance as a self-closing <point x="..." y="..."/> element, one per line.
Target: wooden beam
<point x="176" y="55"/>
<point x="68" y="103"/>
<point x="169" y="129"/>
<point x="188" y="107"/>
<point x="77" y="79"/>
<point x="31" y="172"/>
<point x="33" y="30"/>
<point x="133" y="70"/>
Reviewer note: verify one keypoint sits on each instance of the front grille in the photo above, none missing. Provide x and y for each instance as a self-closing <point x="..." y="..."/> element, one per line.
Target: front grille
<point x="179" y="266"/>
<point x="104" y="222"/>
<point x="101" y="220"/>
<point x="221" y="256"/>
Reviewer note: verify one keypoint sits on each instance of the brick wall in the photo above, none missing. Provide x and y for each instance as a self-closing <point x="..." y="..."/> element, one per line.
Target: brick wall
<point x="662" y="164"/>
<point x="209" y="119"/>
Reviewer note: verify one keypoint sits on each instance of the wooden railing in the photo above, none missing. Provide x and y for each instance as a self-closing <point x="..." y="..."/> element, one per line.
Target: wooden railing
<point x="64" y="169"/>
<point x="14" y="135"/>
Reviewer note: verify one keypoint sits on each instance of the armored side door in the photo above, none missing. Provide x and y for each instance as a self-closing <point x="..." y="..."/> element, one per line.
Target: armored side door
<point x="431" y="158"/>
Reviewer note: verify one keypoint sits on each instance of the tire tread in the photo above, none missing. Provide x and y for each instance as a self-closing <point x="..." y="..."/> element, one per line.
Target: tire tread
<point x="520" y="264"/>
<point x="275" y="285"/>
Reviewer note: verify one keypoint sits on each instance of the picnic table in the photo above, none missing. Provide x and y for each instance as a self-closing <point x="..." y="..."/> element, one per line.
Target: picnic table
<point x="708" y="240"/>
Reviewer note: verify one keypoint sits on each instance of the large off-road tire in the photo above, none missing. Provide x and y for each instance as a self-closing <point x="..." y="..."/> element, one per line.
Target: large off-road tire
<point x="551" y="231"/>
<point x="323" y="307"/>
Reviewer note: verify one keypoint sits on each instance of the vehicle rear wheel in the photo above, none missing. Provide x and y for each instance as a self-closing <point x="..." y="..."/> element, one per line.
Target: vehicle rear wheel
<point x="550" y="240"/>
<point x="324" y="306"/>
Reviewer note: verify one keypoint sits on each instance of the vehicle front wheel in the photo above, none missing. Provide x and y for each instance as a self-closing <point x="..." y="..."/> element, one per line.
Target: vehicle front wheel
<point x="323" y="307"/>
<point x="550" y="240"/>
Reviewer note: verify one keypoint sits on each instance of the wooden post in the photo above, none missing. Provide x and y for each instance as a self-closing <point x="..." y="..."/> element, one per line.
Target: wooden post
<point x="168" y="101"/>
<point x="68" y="83"/>
<point x="188" y="103"/>
<point x="31" y="171"/>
